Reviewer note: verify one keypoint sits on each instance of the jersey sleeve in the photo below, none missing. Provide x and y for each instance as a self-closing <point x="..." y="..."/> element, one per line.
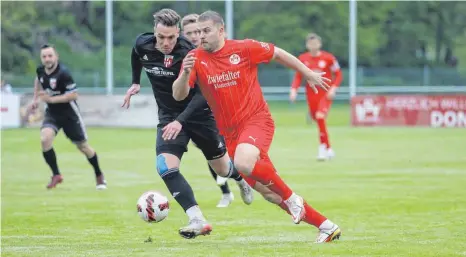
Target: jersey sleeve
<point x="335" y="69"/>
<point x="334" y="65"/>
<point x="68" y="83"/>
<point x="260" y="52"/>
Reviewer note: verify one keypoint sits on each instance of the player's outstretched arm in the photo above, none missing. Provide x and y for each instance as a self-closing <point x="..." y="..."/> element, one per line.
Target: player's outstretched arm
<point x="290" y="61"/>
<point x="136" y="68"/>
<point x="66" y="98"/>
<point x="35" y="99"/>
<point x="187" y="76"/>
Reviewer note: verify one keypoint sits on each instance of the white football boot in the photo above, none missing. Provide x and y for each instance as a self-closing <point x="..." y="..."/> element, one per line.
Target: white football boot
<point x="328" y="233"/>
<point x="196" y="227"/>
<point x="323" y="153"/>
<point x="247" y="194"/>
<point x="296" y="207"/>
<point x="226" y="200"/>
<point x="330" y="153"/>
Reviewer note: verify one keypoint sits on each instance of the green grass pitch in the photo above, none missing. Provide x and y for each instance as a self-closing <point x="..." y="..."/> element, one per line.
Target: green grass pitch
<point x="393" y="191"/>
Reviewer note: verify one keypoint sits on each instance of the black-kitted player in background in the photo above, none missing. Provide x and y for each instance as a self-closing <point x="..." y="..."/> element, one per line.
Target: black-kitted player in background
<point x="55" y="86"/>
<point x="161" y="54"/>
<point x="191" y="31"/>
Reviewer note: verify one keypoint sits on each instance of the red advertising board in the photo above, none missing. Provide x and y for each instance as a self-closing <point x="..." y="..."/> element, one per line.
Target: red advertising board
<point x="409" y="110"/>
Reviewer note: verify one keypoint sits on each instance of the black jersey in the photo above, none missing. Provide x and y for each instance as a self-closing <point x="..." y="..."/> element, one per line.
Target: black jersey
<point x="162" y="70"/>
<point x="59" y="82"/>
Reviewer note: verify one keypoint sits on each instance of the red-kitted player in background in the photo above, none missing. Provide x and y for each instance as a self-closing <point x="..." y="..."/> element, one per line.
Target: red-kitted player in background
<point x="319" y="103"/>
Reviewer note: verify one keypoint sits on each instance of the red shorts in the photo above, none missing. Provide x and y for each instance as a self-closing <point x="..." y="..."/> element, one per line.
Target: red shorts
<point x="318" y="103"/>
<point x="258" y="132"/>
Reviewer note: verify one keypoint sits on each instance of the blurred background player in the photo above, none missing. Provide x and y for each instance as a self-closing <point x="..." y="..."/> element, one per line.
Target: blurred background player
<point x="319" y="103"/>
<point x="191" y="31"/>
<point x="226" y="73"/>
<point x="161" y="53"/>
<point x="59" y="92"/>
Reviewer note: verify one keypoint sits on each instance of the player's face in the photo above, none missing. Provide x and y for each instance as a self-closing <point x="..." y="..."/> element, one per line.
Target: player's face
<point x="48" y="57"/>
<point x="192" y="33"/>
<point x="313" y="44"/>
<point x="166" y="38"/>
<point x="211" y="35"/>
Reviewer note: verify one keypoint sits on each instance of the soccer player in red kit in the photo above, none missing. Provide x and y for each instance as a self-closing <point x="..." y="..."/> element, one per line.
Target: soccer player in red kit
<point x="226" y="72"/>
<point x="319" y="103"/>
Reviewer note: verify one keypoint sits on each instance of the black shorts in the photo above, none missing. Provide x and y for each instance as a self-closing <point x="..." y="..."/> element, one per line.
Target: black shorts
<point x="72" y="125"/>
<point x="204" y="134"/>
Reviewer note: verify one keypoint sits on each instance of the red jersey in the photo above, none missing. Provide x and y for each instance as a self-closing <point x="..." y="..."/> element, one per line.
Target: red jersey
<point x="323" y="62"/>
<point x="228" y="80"/>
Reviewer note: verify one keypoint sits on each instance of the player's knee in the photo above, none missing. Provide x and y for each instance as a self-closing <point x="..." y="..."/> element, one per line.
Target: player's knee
<point x="221" y="166"/>
<point x="245" y="165"/>
<point x="164" y="165"/>
<point x="320" y="115"/>
<point x="246" y="157"/>
<point x="46" y="138"/>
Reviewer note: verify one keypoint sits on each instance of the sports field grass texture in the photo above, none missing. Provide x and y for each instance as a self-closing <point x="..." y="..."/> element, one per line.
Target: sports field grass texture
<point x="393" y="191"/>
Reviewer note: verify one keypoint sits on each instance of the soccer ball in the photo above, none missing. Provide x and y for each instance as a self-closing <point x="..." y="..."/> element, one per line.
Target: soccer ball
<point x="153" y="207"/>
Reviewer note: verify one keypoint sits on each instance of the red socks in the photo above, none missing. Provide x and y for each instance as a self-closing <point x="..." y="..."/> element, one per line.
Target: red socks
<point x="265" y="173"/>
<point x="312" y="216"/>
<point x="323" y="132"/>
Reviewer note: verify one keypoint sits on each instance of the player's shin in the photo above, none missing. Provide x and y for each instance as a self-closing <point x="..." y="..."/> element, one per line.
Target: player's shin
<point x="182" y="192"/>
<point x="265" y="173"/>
<point x="51" y="160"/>
<point x="179" y="188"/>
<point x="94" y="161"/>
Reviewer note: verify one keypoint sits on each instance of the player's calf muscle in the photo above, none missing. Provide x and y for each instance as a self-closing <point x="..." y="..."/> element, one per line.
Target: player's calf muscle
<point x="267" y="193"/>
<point x="86" y="149"/>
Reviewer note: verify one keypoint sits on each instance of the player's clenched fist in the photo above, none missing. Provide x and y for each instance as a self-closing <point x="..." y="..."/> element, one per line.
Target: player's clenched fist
<point x="188" y="62"/>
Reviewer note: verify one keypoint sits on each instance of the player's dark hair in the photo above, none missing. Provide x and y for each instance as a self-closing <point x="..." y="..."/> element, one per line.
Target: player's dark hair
<point x="47" y="46"/>
<point x="215" y="17"/>
<point x="189" y="19"/>
<point x="167" y="17"/>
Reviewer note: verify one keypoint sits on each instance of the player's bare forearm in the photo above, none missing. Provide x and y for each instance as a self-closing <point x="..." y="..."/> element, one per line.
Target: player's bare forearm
<point x="181" y="87"/>
<point x="36" y="89"/>
<point x="288" y="60"/>
<point x="65" y="98"/>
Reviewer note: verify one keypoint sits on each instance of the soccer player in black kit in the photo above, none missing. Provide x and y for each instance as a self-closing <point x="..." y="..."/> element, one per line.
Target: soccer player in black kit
<point x="191" y="31"/>
<point x="161" y="54"/>
<point x="55" y="86"/>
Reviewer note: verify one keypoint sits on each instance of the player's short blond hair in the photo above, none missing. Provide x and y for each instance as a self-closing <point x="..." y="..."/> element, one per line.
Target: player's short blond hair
<point x="189" y="19"/>
<point x="313" y="36"/>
